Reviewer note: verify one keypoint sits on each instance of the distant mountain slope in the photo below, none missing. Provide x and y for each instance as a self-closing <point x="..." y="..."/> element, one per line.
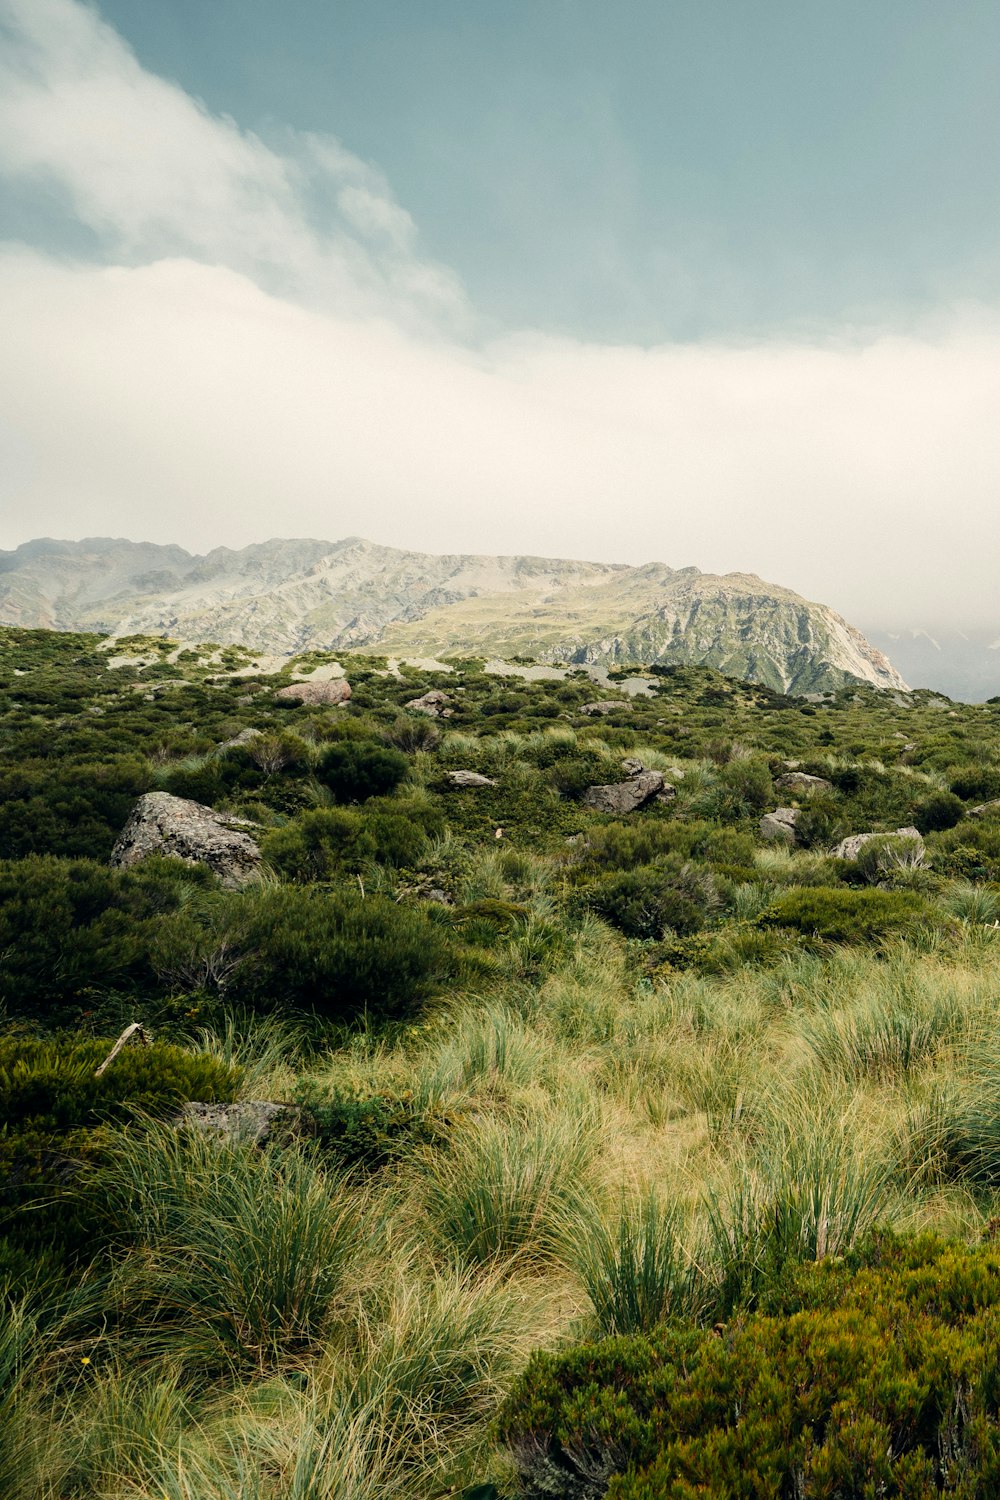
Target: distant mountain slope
<point x="292" y="595"/>
<point x="964" y="664"/>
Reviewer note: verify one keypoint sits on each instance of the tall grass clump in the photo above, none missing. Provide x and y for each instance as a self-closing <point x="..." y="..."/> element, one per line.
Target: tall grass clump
<point x="813" y="1191"/>
<point x="247" y="1250"/>
<point x="511" y="1191"/>
<point x="636" y="1271"/>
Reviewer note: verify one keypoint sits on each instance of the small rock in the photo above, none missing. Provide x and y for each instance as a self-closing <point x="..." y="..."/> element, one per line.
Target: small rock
<point x="434" y="704"/>
<point x="604" y="706"/>
<point x="798" y="781"/>
<point x="249" y="1122"/>
<point x="984" y="809"/>
<point x="780" y="824"/>
<point x="162" y="824"/>
<point x="626" y="796"/>
<point x="632" y="765"/>
<point x="469" y="778"/>
<point x="316" y="694"/>
<point x="852" y="846"/>
<point x="243" y="738"/>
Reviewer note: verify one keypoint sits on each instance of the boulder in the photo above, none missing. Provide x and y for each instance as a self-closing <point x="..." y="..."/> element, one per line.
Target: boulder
<point x="798" y="781"/>
<point x="780" y="824"/>
<point x="248" y="1122"/>
<point x="238" y="740"/>
<point x="625" y="796"/>
<point x="162" y="824"/>
<point x="469" y="778"/>
<point x="852" y="846"/>
<point x="985" y="809"/>
<point x="316" y="694"/>
<point x="604" y="706"/>
<point x="434" y="704"/>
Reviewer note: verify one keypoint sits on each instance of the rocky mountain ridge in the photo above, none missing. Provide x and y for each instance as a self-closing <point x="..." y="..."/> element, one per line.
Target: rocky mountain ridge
<point x="294" y="595"/>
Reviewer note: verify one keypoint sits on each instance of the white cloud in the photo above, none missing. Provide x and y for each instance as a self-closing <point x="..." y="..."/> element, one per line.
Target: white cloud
<point x="155" y="173"/>
<point x="241" y="373"/>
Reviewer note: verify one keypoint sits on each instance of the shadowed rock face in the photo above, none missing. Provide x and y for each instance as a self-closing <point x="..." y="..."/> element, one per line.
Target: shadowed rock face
<point x="626" y="796"/>
<point x="162" y="824"/>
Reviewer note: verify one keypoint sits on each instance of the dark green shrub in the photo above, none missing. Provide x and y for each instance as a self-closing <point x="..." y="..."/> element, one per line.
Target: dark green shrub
<point x="320" y="845"/>
<point x="646" y="902"/>
<point x="357" y="770"/>
<point x="571" y="775"/>
<point x="845" y="916"/>
<point x="937" y="811"/>
<point x="71" y="931"/>
<point x="368" y="1130"/>
<point x="55" y="1116"/>
<point x="886" y="1383"/>
<point x="339" y="955"/>
<point x="977" y="783"/>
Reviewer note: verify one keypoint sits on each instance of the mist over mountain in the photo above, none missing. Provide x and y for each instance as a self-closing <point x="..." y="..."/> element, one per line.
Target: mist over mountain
<point x="965" y="664"/>
<point x="290" y="595"/>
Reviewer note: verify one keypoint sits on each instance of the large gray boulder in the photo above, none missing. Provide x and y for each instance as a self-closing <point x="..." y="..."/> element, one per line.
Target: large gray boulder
<point x="434" y="704"/>
<point x="780" y="824"/>
<point x="162" y="824"/>
<point x="902" y="846"/>
<point x="626" y="796"/>
<point x="316" y="694"/>
<point x="799" y="781"/>
<point x="248" y="1122"/>
<point x="469" y="779"/>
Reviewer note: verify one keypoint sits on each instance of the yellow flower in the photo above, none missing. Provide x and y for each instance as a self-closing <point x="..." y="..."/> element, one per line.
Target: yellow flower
<point x="85" y="1360"/>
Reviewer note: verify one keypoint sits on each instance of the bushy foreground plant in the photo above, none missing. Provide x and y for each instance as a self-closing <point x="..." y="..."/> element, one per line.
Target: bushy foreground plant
<point x="884" y="1383"/>
<point x="846" y="916"/>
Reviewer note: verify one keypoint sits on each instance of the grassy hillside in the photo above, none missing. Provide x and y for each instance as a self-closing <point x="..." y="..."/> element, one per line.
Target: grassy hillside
<point x="606" y="1133"/>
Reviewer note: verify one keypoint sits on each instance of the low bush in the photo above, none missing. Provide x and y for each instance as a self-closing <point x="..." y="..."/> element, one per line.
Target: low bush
<point x="357" y="769"/>
<point x="367" y="1129"/>
<point x="886" y="1383"/>
<point x="673" y="896"/>
<point x="937" y="811"/>
<point x="845" y="916"/>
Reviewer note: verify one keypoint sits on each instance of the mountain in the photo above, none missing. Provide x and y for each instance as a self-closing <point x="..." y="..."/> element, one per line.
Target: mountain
<point x="290" y="596"/>
<point x="964" y="664"/>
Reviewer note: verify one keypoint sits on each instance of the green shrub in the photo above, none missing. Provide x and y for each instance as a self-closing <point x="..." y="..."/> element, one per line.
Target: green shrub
<point x="341" y="955"/>
<point x="977" y="783"/>
<point x="571" y="775"/>
<point x="937" y="811"/>
<point x="357" y="770"/>
<point x="884" y="1384"/>
<point x="845" y="916"/>
<point x="365" y="1129"/>
<point x="653" y="899"/>
<point x="54" y="1119"/>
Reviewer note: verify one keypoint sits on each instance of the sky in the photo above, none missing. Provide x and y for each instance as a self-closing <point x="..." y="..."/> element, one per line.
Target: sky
<point x="711" y="283"/>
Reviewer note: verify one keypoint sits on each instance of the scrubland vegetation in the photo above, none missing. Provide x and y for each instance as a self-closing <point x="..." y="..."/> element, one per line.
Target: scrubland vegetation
<point x="639" y="1155"/>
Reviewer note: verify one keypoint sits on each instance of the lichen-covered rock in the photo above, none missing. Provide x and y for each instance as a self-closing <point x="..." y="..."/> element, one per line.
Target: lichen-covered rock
<point x="434" y="704"/>
<point x="163" y="824"/>
<point x="603" y="706"/>
<point x="626" y="796"/>
<point x="798" y="781"/>
<point x="469" y="779"/>
<point x="316" y="694"/>
<point x="248" y="1122"/>
<point x="780" y="824"/>
<point x="908" y="838"/>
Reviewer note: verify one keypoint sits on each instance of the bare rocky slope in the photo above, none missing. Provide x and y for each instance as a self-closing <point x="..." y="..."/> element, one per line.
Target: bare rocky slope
<point x="290" y="596"/>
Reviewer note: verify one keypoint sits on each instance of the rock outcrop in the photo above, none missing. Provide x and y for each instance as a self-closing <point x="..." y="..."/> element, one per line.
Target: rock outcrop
<point x="620" y="797"/>
<point x="469" y="779"/>
<point x="248" y="1122"/>
<point x="910" y="842"/>
<point x="163" y="824"/>
<point x="434" y="704"/>
<point x="798" y="781"/>
<point x="780" y="824"/>
<point x="603" y="706"/>
<point x="316" y="694"/>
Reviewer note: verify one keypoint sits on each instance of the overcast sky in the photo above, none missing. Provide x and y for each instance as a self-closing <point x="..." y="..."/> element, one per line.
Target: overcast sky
<point x="702" y="282"/>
